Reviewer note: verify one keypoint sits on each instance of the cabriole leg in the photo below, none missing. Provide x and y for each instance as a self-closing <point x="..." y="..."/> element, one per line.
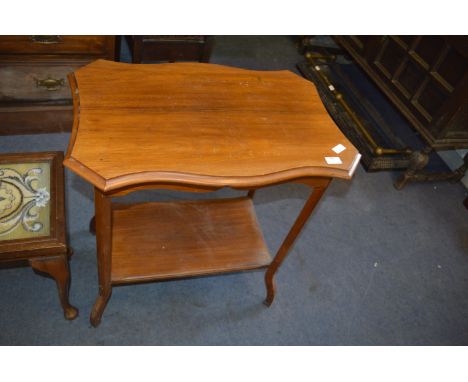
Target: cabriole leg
<point x="57" y="267"/>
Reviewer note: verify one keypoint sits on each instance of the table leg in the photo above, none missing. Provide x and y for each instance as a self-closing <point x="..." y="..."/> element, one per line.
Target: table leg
<point x="58" y="268"/>
<point x="92" y="225"/>
<point x="103" y="219"/>
<point x="309" y="206"/>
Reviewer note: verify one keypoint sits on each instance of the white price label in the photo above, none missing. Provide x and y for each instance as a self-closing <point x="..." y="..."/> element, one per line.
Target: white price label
<point x="333" y="160"/>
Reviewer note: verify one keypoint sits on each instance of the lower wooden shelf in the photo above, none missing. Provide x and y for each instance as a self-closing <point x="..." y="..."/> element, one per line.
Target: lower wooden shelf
<point x="154" y="241"/>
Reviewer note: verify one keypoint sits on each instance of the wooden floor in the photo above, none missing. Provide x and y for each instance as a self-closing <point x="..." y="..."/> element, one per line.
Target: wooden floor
<point x="166" y="240"/>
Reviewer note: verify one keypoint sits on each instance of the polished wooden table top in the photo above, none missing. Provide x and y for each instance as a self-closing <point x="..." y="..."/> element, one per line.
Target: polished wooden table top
<point x="200" y="124"/>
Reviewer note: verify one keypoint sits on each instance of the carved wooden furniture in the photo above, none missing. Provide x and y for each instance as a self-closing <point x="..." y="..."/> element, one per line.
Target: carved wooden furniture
<point x="195" y="127"/>
<point x="357" y="113"/>
<point x="32" y="217"/>
<point x="426" y="78"/>
<point x="170" y="48"/>
<point x="34" y="92"/>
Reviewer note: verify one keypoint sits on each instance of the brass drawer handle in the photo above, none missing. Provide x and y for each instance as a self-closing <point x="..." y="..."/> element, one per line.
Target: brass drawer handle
<point x="50" y="84"/>
<point x="46" y="39"/>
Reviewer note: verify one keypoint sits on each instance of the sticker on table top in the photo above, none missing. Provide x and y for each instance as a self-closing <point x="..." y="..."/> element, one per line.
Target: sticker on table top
<point x="339" y="148"/>
<point x="333" y="160"/>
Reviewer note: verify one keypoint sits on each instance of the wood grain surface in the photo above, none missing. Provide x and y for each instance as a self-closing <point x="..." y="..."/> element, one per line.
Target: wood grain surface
<point x="152" y="241"/>
<point x="199" y="124"/>
<point x="89" y="45"/>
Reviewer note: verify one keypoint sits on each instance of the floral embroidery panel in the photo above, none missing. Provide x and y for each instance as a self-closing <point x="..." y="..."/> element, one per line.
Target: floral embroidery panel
<point x="24" y="200"/>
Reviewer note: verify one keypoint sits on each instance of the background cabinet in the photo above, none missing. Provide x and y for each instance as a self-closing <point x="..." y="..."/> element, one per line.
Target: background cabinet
<point x="170" y="48"/>
<point x="424" y="76"/>
<point x="34" y="92"/>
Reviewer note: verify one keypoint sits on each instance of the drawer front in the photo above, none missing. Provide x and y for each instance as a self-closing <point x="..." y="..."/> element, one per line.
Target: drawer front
<point x="56" y="44"/>
<point x="24" y="120"/>
<point x="35" y="83"/>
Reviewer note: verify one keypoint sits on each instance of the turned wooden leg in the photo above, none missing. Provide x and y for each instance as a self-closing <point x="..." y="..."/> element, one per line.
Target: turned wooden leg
<point x="418" y="160"/>
<point x="103" y="218"/>
<point x="316" y="194"/>
<point x="57" y="267"/>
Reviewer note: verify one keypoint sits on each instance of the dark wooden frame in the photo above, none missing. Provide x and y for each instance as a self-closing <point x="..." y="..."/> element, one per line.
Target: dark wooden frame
<point x="47" y="254"/>
<point x="33" y="116"/>
<point x="435" y="131"/>
<point x="146" y="50"/>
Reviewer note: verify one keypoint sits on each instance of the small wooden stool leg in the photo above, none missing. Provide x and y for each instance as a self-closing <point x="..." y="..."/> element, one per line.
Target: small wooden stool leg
<point x="57" y="267"/>
<point x="103" y="218"/>
<point x="92" y="225"/>
<point x="290" y="238"/>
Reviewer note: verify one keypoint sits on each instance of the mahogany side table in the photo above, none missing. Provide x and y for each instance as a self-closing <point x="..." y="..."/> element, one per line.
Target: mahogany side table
<point x="195" y="127"/>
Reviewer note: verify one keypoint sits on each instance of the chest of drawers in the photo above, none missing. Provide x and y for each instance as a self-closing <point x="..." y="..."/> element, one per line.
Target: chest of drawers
<point x="34" y="92"/>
